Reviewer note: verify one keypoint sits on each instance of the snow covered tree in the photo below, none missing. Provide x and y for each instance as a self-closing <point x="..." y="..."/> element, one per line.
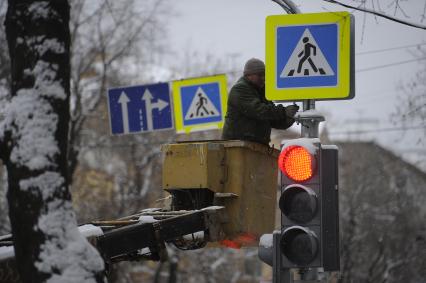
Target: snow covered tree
<point x="4" y="95"/>
<point x="33" y="146"/>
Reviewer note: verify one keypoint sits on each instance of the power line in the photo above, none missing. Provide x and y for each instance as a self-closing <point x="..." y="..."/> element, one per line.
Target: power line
<point x="397" y="129"/>
<point x="389" y="49"/>
<point x="389" y="65"/>
<point x="357" y="71"/>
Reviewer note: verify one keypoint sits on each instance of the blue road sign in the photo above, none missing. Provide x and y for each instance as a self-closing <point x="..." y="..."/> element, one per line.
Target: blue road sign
<point x="307" y="56"/>
<point x="201" y="103"/>
<point x="138" y="109"/>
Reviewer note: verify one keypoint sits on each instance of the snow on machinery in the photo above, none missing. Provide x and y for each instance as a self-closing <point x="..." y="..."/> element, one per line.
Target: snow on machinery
<point x="221" y="192"/>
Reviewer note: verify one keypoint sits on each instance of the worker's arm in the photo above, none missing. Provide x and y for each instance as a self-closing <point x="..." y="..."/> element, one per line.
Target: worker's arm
<point x="248" y="103"/>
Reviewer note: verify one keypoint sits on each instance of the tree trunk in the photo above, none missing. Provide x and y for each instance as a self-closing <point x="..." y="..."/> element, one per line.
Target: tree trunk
<point x="48" y="246"/>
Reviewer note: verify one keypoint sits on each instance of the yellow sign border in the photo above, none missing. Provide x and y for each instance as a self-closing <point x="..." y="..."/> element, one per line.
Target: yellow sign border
<point x="345" y="85"/>
<point x="177" y="103"/>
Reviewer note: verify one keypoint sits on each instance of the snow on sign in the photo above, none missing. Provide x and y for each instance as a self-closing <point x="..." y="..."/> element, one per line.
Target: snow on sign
<point x="310" y="56"/>
<point x="138" y="109"/>
<point x="199" y="103"/>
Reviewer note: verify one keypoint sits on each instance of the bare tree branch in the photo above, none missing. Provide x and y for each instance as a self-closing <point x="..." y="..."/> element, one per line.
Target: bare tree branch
<point x="378" y="14"/>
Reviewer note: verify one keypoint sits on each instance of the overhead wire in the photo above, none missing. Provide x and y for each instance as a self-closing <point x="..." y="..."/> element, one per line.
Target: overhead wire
<point x="389" y="49"/>
<point x="396" y="129"/>
<point x="372" y="52"/>
<point x="359" y="70"/>
<point x="389" y="65"/>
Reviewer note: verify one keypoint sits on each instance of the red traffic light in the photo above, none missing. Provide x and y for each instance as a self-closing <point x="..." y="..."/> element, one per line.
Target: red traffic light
<point x="297" y="163"/>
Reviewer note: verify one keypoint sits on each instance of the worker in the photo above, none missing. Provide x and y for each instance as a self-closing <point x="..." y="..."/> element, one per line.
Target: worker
<point x="250" y="115"/>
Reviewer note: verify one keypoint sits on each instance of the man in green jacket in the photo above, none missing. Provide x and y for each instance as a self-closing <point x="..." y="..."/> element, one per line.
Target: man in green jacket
<point x="250" y="115"/>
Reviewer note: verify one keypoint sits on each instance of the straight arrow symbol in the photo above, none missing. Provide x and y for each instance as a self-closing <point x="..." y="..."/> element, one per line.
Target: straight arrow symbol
<point x="123" y="100"/>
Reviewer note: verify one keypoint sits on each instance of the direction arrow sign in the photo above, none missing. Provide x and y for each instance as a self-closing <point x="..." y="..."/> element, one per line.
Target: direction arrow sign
<point x="310" y="56"/>
<point x="138" y="109"/>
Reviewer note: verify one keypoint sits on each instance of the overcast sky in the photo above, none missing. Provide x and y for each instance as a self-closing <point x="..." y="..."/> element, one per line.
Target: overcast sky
<point x="238" y="27"/>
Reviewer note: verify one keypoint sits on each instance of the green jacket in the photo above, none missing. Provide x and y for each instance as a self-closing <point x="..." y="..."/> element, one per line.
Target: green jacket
<point x="251" y="116"/>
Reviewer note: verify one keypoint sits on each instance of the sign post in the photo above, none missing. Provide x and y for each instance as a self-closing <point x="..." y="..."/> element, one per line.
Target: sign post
<point x="309" y="57"/>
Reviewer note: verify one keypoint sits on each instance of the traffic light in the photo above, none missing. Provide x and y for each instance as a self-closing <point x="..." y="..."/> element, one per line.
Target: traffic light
<point x="309" y="205"/>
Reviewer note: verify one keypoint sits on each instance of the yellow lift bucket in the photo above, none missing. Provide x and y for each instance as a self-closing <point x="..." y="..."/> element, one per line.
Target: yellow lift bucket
<point x="239" y="175"/>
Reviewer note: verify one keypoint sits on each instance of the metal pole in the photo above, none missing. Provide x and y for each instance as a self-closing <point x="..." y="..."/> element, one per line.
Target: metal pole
<point x="310" y="129"/>
<point x="279" y="274"/>
<point x="310" y="125"/>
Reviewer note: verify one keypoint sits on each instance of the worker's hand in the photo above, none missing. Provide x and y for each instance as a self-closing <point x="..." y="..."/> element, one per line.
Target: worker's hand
<point x="291" y="110"/>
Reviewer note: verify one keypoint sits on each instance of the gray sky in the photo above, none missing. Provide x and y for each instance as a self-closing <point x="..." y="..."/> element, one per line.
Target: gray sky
<point x="238" y="27"/>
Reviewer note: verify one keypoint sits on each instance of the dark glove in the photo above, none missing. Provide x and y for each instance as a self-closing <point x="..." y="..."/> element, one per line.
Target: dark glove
<point x="291" y="110"/>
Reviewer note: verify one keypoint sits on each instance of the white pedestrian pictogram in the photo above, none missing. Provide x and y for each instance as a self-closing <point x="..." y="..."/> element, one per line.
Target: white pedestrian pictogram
<point x="201" y="106"/>
<point x="307" y="59"/>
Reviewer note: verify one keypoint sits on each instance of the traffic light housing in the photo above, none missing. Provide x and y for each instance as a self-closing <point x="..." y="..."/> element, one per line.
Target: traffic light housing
<point x="309" y="205"/>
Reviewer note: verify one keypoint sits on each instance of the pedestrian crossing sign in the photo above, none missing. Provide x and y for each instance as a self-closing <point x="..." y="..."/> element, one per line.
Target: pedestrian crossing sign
<point x="199" y="103"/>
<point x="310" y="56"/>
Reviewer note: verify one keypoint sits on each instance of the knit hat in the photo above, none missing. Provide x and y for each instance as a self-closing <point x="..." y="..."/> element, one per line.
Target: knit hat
<point x="254" y="66"/>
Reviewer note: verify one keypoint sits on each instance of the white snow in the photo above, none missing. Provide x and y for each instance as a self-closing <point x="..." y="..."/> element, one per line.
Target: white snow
<point x="147" y="219"/>
<point x="309" y="144"/>
<point x="40" y="10"/>
<point x="266" y="240"/>
<point x="89" y="230"/>
<point x="31" y="119"/>
<point x="308" y="114"/>
<point x="46" y="184"/>
<point x="151" y="209"/>
<point x="66" y="254"/>
<point x="144" y="251"/>
<point x="44" y="73"/>
<point x="42" y="44"/>
<point x="32" y="122"/>
<point x="6" y="252"/>
<point x="194" y="236"/>
<point x="213" y="208"/>
<point x="50" y="45"/>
